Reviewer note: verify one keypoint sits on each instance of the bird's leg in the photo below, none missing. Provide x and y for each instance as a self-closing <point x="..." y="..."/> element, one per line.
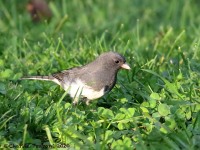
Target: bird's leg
<point x="75" y="102"/>
<point x="86" y="100"/>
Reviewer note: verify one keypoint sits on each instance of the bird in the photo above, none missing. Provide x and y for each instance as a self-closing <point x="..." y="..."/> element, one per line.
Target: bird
<point x="90" y="81"/>
<point x="39" y="10"/>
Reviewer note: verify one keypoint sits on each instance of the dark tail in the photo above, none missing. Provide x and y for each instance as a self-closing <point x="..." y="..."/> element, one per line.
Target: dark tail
<point x="46" y="78"/>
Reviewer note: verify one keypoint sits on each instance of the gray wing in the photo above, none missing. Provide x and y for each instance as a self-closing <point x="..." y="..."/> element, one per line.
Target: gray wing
<point x="96" y="78"/>
<point x="69" y="74"/>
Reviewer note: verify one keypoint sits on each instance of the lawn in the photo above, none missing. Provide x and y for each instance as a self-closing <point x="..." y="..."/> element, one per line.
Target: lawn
<point x="154" y="105"/>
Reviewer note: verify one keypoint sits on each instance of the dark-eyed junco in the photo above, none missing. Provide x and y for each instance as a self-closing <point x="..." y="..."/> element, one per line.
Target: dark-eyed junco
<point x="90" y="81"/>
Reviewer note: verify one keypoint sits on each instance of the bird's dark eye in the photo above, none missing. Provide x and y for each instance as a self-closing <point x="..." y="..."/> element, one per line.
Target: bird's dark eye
<point x="116" y="61"/>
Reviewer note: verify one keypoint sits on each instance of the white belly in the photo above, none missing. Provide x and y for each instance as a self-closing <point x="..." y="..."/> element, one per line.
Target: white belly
<point x="78" y="88"/>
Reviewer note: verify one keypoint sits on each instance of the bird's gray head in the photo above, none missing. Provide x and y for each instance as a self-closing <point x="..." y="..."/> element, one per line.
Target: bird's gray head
<point x="113" y="60"/>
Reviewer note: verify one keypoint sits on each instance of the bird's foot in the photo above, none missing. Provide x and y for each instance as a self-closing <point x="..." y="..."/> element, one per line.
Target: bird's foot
<point x="87" y="102"/>
<point x="75" y="102"/>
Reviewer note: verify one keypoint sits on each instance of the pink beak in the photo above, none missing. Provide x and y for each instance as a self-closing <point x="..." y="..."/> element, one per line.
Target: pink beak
<point x="125" y="66"/>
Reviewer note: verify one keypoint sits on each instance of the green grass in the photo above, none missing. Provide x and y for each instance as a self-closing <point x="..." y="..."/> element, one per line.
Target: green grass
<point x="155" y="105"/>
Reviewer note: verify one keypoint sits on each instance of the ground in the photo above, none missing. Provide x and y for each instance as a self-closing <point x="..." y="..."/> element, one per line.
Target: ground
<point x="156" y="104"/>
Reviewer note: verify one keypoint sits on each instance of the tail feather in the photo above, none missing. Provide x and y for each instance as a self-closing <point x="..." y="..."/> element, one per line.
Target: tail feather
<point x="46" y="78"/>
